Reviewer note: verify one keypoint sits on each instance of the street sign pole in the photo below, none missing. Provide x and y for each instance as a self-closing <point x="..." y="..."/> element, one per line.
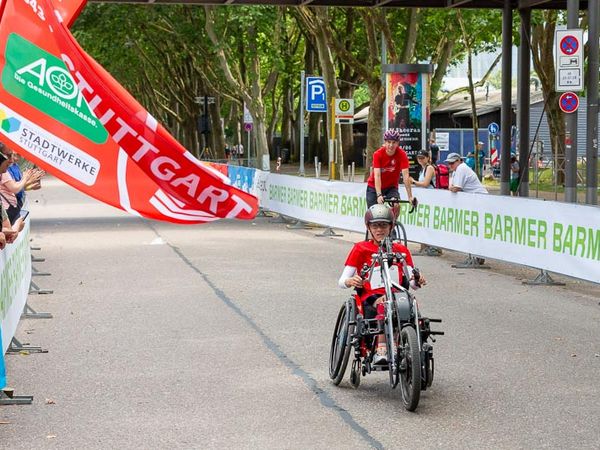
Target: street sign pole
<point x="571" y="122"/>
<point x="591" y="192"/>
<point x="301" y="120"/>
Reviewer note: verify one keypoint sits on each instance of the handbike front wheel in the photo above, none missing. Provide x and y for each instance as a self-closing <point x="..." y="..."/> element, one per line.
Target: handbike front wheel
<point x="410" y="373"/>
<point x="340" y="344"/>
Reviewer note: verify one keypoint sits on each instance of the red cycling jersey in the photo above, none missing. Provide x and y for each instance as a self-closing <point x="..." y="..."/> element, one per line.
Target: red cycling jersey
<point x="362" y="253"/>
<point x="390" y="167"/>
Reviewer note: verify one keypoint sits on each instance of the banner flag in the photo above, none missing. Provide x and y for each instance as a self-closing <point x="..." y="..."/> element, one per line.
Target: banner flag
<point x="73" y="119"/>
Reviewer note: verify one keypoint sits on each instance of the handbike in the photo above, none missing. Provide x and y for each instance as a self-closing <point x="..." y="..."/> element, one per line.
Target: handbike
<point x="398" y="233"/>
<point x="409" y="356"/>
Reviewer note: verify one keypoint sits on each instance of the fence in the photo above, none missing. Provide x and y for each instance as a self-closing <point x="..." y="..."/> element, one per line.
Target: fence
<point x="551" y="236"/>
<point x="15" y="278"/>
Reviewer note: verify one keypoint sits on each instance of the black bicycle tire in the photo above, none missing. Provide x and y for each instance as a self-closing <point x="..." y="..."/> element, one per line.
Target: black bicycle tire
<point x="337" y="368"/>
<point x="411" y="391"/>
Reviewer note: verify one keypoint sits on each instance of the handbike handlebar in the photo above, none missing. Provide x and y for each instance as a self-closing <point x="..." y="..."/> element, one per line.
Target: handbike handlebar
<point x="396" y="201"/>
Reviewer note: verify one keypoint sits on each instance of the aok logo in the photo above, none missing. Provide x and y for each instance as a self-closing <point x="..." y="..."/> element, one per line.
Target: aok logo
<point x="43" y="81"/>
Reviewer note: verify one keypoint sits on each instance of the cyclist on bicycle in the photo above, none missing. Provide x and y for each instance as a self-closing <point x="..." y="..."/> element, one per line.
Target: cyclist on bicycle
<point x="379" y="220"/>
<point x="388" y="162"/>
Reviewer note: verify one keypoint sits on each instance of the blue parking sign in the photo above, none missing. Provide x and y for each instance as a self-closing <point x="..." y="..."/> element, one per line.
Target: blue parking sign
<point x="316" y="96"/>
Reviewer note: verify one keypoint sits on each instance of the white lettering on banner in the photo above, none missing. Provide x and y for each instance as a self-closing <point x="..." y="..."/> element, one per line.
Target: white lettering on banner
<point x="164" y="167"/>
<point x="559" y="237"/>
<point x="60" y="154"/>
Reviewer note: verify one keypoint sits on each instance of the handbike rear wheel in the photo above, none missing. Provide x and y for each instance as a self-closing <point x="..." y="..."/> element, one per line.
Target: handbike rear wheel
<point x="340" y="344"/>
<point x="399" y="234"/>
<point x="410" y="376"/>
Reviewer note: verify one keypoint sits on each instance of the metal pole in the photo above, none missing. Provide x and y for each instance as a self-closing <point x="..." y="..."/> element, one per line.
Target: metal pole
<point x="523" y="101"/>
<point x="249" y="154"/>
<point x="383" y="79"/>
<point x="591" y="193"/>
<point x="301" y="120"/>
<point x="506" y="112"/>
<point x="571" y="123"/>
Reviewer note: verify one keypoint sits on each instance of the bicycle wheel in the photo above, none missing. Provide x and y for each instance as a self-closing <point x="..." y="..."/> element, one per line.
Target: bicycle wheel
<point x="399" y="234"/>
<point x="340" y="344"/>
<point x="410" y="373"/>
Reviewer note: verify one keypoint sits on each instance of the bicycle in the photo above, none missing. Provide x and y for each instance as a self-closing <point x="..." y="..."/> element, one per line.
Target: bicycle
<point x="409" y="356"/>
<point x="398" y="233"/>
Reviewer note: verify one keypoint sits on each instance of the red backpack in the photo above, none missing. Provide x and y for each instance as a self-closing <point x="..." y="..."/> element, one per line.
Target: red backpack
<point x="442" y="176"/>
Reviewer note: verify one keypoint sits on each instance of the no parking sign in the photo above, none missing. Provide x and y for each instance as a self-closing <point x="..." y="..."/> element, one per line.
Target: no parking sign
<point x="568" y="102"/>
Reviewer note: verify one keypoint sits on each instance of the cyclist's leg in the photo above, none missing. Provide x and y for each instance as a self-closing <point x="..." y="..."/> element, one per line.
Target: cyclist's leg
<point x="371" y="196"/>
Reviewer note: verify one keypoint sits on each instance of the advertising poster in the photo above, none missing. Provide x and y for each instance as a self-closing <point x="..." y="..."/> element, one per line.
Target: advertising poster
<point x="407" y="103"/>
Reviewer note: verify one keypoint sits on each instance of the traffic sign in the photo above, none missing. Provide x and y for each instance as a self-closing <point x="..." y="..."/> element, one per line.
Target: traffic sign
<point x="569" y="45"/>
<point x="569" y="60"/>
<point x="247" y="116"/>
<point x="568" y="102"/>
<point x="493" y="128"/>
<point x="344" y="110"/>
<point x="248" y="127"/>
<point x="316" y="95"/>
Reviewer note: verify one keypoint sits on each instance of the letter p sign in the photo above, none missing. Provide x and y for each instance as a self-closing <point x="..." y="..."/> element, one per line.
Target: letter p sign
<point x="316" y="97"/>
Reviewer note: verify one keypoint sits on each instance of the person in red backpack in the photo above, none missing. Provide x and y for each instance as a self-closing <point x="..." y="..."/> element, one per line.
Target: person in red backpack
<point x="427" y="175"/>
<point x="427" y="179"/>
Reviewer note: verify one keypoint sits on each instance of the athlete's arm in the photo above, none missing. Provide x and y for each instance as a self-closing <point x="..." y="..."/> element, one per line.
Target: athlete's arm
<point x="350" y="278"/>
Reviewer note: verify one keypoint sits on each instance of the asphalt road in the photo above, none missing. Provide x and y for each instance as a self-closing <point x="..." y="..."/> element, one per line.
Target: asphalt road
<point x="217" y="336"/>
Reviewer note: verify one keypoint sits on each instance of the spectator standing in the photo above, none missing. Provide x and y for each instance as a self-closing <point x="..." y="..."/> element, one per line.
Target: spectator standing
<point x="9" y="187"/>
<point x="427" y="173"/>
<point x="463" y="179"/>
<point x="470" y="161"/>
<point x="479" y="158"/>
<point x="514" y="175"/>
<point x="435" y="150"/>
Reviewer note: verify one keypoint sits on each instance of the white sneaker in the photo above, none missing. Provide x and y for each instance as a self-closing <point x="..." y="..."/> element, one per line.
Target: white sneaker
<point x="380" y="357"/>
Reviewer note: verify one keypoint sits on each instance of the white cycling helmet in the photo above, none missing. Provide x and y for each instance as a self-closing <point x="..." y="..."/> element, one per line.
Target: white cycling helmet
<point x="379" y="213"/>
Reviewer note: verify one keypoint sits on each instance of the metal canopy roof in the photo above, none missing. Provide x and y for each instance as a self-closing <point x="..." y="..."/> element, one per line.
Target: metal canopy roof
<point x="498" y="4"/>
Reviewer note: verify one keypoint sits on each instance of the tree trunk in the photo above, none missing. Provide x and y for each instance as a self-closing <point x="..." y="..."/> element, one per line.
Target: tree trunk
<point x="542" y="49"/>
<point x="374" y="121"/>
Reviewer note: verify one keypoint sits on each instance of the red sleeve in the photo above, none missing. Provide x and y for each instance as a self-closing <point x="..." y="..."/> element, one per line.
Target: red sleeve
<point x="404" y="163"/>
<point x="353" y="259"/>
<point x="377" y="160"/>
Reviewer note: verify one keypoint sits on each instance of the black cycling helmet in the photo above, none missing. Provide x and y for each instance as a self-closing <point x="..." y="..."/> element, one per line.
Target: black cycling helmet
<point x="379" y="213"/>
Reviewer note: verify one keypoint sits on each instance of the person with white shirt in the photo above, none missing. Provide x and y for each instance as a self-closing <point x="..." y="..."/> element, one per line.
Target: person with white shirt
<point x="463" y="178"/>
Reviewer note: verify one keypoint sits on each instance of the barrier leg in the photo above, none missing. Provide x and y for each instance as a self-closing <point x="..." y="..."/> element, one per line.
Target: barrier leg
<point x="35" y="289"/>
<point x="472" y="262"/>
<point x="7" y="397"/>
<point x="298" y="225"/>
<point x="262" y="213"/>
<point x="328" y="232"/>
<point x="37" y="273"/>
<point x="544" y="279"/>
<point x="280" y="219"/>
<point x="30" y="313"/>
<point x="429" y="251"/>
<point x="17" y="347"/>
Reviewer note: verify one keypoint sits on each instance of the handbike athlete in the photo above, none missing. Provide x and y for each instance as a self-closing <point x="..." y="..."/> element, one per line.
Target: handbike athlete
<point x="379" y="220"/>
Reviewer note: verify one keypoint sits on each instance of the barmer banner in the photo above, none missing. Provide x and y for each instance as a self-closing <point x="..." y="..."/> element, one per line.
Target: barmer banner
<point x="63" y="111"/>
<point x="558" y="237"/>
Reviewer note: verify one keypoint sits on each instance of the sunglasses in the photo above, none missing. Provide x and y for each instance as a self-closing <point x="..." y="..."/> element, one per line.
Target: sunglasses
<point x="379" y="225"/>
